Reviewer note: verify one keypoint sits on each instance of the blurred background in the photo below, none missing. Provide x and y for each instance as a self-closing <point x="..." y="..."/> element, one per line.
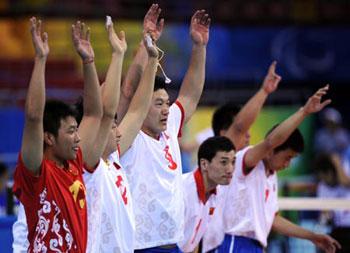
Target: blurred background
<point x="309" y="39"/>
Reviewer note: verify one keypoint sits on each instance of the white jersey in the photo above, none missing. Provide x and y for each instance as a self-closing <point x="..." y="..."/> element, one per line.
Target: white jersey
<point x="111" y="222"/>
<point x="215" y="232"/>
<point x="20" y="232"/>
<point x="154" y="170"/>
<point x="198" y="210"/>
<point x="251" y="202"/>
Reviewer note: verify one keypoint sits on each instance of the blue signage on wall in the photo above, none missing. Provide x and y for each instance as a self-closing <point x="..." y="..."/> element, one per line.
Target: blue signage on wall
<point x="244" y="53"/>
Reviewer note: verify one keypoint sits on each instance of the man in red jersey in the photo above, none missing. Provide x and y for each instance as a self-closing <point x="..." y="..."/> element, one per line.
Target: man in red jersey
<point x="48" y="177"/>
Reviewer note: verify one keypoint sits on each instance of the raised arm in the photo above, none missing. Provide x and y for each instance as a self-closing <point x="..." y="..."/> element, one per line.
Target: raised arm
<point x="250" y="111"/>
<point x="139" y="106"/>
<point x="92" y="99"/>
<point x="154" y="27"/>
<point x="110" y="92"/>
<point x="192" y="85"/>
<point x="281" y="133"/>
<point x="287" y="228"/>
<point x="33" y="133"/>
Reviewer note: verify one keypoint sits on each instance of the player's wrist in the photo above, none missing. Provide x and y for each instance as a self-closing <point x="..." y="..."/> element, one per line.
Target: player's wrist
<point x="118" y="53"/>
<point x="304" y="111"/>
<point x="40" y="58"/>
<point x="88" y="60"/>
<point x="265" y="90"/>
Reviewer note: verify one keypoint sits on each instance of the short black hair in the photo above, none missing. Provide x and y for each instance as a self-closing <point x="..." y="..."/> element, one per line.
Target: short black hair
<point x="223" y="117"/>
<point x="294" y="142"/>
<point x="159" y="83"/>
<point x="212" y="145"/>
<point x="54" y="112"/>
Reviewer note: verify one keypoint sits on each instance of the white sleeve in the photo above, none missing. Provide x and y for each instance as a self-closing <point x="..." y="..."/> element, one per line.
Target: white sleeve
<point x="20" y="232"/>
<point x="239" y="164"/>
<point x="176" y="118"/>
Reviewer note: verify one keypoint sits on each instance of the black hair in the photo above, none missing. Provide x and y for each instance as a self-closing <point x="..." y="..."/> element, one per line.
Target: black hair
<point x="159" y="83"/>
<point x="212" y="145"/>
<point x="223" y="117"/>
<point x="294" y="142"/>
<point x="54" y="112"/>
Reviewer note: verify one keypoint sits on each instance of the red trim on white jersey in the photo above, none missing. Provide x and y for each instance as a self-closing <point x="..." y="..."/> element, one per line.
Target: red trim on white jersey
<point x="196" y="230"/>
<point x="177" y="102"/>
<point x="198" y="178"/>
<point x="118" y="150"/>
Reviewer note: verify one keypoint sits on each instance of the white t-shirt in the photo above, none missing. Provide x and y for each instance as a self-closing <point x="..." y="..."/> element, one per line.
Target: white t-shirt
<point x="111" y="223"/>
<point x="251" y="202"/>
<point x="154" y="170"/>
<point x="198" y="210"/>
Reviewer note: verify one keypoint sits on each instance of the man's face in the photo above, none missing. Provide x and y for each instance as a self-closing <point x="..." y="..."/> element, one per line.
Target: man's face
<point x="281" y="159"/>
<point x="157" y="117"/>
<point x="66" y="143"/>
<point x="113" y="138"/>
<point x="220" y="168"/>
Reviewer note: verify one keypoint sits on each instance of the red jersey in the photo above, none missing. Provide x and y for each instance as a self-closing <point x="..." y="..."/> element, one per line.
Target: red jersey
<point x="54" y="204"/>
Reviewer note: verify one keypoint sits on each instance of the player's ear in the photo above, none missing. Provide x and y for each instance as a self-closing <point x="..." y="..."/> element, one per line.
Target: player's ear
<point x="49" y="139"/>
<point x="203" y="164"/>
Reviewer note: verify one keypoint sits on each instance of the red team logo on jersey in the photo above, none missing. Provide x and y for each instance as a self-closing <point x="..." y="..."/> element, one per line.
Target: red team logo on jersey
<point x="172" y="165"/>
<point x="267" y="192"/>
<point x="122" y="189"/>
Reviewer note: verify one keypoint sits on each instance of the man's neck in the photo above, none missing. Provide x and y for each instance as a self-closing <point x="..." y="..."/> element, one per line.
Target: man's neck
<point x="209" y="185"/>
<point x="150" y="133"/>
<point x="48" y="154"/>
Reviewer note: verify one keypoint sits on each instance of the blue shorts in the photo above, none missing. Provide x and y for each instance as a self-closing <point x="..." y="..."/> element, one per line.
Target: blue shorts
<point x="239" y="244"/>
<point x="174" y="249"/>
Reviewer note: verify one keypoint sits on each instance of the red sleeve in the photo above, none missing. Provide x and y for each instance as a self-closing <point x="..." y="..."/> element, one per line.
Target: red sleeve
<point x="177" y="102"/>
<point x="25" y="182"/>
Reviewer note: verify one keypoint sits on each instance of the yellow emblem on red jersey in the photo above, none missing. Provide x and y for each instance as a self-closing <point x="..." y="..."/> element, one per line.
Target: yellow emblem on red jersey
<point x="79" y="192"/>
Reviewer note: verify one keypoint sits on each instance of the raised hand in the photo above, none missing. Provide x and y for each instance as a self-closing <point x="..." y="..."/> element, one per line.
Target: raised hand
<point x="151" y="24"/>
<point x="314" y="104"/>
<point x="40" y="41"/>
<point x="81" y="41"/>
<point x="272" y="79"/>
<point x="199" y="30"/>
<point x="150" y="46"/>
<point x="326" y="243"/>
<point x="118" y="43"/>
